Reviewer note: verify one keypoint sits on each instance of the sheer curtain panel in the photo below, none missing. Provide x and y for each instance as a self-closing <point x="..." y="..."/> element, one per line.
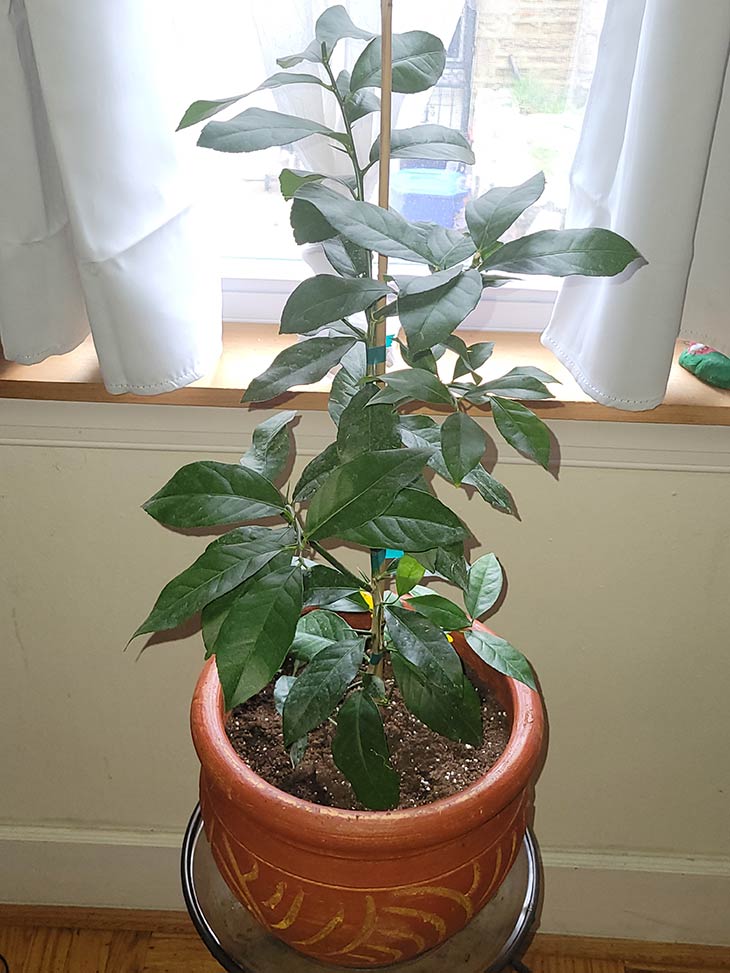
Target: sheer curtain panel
<point x="98" y="224"/>
<point x="651" y="164"/>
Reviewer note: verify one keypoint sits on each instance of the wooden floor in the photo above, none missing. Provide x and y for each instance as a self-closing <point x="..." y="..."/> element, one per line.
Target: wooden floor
<point x="42" y="939"/>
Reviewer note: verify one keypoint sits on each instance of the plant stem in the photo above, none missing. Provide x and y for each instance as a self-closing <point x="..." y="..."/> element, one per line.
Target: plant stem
<point x="375" y="664"/>
<point x="351" y="151"/>
<point x="323" y="552"/>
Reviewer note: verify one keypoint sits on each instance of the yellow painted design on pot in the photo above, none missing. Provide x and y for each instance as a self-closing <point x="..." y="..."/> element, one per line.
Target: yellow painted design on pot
<point x="412" y="937"/>
<point x="243" y="880"/>
<point x="429" y="917"/>
<point x="394" y="954"/>
<point x="476" y="878"/>
<point x="276" y="898"/>
<point x="440" y="892"/>
<point x="366" y="929"/>
<point x="291" y="917"/>
<point x="334" y="922"/>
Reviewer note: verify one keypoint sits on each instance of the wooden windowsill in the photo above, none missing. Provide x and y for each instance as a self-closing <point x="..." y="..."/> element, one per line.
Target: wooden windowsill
<point x="248" y="349"/>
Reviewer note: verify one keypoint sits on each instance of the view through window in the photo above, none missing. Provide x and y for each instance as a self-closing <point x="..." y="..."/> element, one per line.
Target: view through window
<point x="516" y="82"/>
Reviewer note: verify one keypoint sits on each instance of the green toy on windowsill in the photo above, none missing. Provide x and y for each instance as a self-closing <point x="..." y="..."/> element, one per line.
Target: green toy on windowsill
<point x="707" y="364"/>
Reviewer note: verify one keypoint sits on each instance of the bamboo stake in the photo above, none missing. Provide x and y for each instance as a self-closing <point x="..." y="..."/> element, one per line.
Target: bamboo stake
<point x="386" y="88"/>
<point x="379" y="332"/>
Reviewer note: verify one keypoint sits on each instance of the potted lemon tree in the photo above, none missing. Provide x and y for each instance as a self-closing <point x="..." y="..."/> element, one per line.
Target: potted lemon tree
<point x="324" y="644"/>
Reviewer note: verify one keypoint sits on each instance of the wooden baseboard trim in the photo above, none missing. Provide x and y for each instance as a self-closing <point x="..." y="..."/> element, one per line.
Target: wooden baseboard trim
<point x="633" y="951"/>
<point x="166" y="921"/>
<point x="630" y="951"/>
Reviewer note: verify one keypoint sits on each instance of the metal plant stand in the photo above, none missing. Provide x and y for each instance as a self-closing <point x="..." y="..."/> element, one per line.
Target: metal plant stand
<point x="492" y="941"/>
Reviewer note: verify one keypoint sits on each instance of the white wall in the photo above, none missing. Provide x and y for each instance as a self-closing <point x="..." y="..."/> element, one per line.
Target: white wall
<point x="618" y="577"/>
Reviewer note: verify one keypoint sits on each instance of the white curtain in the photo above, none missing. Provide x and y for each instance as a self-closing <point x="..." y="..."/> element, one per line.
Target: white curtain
<point x="98" y="223"/>
<point x="652" y="164"/>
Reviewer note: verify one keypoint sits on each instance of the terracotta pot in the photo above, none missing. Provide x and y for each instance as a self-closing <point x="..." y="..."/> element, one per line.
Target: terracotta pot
<point x="365" y="888"/>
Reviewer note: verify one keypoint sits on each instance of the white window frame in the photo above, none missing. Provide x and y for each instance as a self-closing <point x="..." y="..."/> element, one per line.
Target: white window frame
<point x="255" y="291"/>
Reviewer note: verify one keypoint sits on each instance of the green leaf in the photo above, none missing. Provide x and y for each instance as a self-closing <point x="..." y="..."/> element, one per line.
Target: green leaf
<point x="223" y="565"/>
<point x="215" y="613"/>
<point x="326" y="586"/>
<point x="291" y="179"/>
<point x="502" y="656"/>
<point x="424" y="645"/>
<point x="283" y="78"/>
<point x="589" y="252"/>
<point x="318" y="629"/>
<point x="342" y="83"/>
<point x="430" y="308"/>
<point x="320" y="300"/>
<point x="441" y="611"/>
<point x="300" y="364"/>
<point x="522" y="429"/>
<point x="408" y="573"/>
<point x="426" y="142"/>
<point x="361" y="489"/>
<point x="346" y="258"/>
<point x="530" y="371"/>
<point x="414" y="521"/>
<point x="490" y="489"/>
<point x="207" y="494"/>
<point x="258" y="128"/>
<point x="334" y="24"/>
<point x="508" y="386"/>
<point x="255" y="637"/>
<point x="421" y="359"/>
<point x="479" y="353"/>
<point x="312" y="52"/>
<point x="454" y="712"/>
<point x="524" y="382"/>
<point x="366" y="430"/>
<point x="469" y="358"/>
<point x="200" y="110"/>
<point x="360" y="751"/>
<point x="269" y="450"/>
<point x="308" y="224"/>
<point x="463" y="442"/>
<point x="320" y="687"/>
<point x="347" y="381"/>
<point x="282" y="688"/>
<point x="345" y="387"/>
<point x="418" y="62"/>
<point x="490" y="215"/>
<point x="374" y="687"/>
<point x="430" y="677"/>
<point x="412" y="385"/>
<point x="447" y="247"/>
<point x="449" y="562"/>
<point x="297" y="751"/>
<point x="316" y="472"/>
<point x="485" y="585"/>
<point x="424" y="433"/>
<point x="368" y="226"/>
<point x="358" y="104"/>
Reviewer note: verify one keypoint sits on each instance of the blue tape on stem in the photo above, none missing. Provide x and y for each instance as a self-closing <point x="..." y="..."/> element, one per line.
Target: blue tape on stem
<point x="376" y="355"/>
<point x="388" y="340"/>
<point x="393" y="553"/>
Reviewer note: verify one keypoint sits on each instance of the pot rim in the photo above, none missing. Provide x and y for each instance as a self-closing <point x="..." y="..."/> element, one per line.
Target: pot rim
<point x="341" y="829"/>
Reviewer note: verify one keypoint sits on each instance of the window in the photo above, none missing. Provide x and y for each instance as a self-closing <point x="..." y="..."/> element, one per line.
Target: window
<point x="516" y="83"/>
